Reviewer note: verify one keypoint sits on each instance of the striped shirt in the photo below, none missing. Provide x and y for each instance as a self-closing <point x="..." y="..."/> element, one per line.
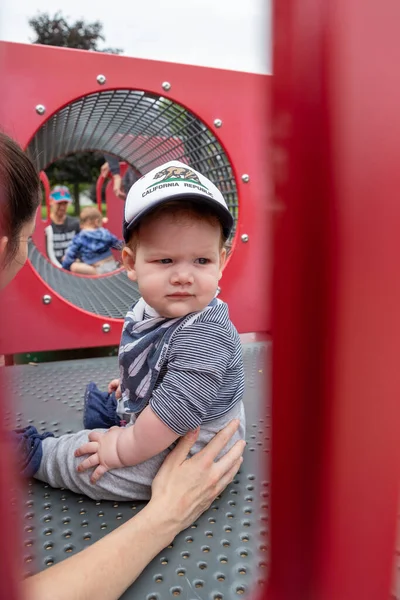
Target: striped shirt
<point x="202" y="376"/>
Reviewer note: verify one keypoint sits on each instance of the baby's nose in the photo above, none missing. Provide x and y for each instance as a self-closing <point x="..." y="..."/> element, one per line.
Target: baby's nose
<point x="182" y="276"/>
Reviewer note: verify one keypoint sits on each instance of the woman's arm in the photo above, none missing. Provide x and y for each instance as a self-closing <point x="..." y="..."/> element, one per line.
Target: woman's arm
<point x="108" y="567"/>
<point x="114" y="169"/>
<point x="181" y="492"/>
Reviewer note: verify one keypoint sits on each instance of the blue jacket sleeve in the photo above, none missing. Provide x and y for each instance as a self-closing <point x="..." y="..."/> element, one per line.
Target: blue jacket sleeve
<point x="72" y="252"/>
<point x="115" y="242"/>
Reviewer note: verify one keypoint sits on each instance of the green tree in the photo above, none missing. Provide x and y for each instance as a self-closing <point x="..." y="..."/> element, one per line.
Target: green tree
<point x="75" y="171"/>
<point x="83" y="168"/>
<point x="56" y="31"/>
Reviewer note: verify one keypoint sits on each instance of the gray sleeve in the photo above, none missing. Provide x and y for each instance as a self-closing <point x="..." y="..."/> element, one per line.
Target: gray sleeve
<point x="50" y="246"/>
<point x="113" y="163"/>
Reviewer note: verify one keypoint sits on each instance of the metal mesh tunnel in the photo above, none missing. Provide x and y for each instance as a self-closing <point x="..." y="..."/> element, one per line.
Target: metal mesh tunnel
<point x="108" y="296"/>
<point x="145" y="130"/>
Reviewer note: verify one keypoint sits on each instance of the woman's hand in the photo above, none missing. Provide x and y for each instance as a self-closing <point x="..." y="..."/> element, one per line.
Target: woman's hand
<point x="184" y="488"/>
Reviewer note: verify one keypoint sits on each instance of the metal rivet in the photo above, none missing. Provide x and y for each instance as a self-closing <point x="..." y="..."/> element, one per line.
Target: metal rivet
<point x="101" y="79"/>
<point x="46" y="299"/>
<point x="244" y="238"/>
<point x="218" y="123"/>
<point x="106" y="327"/>
<point x="245" y="178"/>
<point x="40" y="109"/>
<point x="166" y="86"/>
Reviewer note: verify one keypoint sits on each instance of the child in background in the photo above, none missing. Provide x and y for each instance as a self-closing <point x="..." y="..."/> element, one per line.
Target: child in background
<point x="90" y="250"/>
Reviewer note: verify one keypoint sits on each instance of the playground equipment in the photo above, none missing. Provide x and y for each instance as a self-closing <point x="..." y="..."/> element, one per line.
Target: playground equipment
<point x="145" y="113"/>
<point x="336" y="388"/>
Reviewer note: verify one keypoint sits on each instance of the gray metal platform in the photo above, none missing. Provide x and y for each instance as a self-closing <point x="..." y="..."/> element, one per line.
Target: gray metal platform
<point x="222" y="556"/>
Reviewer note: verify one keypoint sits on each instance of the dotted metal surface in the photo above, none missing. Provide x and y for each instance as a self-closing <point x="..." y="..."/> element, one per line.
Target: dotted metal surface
<point x="223" y="555"/>
<point x="108" y="296"/>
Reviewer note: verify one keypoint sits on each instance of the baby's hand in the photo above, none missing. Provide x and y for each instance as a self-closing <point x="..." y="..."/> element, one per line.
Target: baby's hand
<point x="115" y="386"/>
<point x="102" y="448"/>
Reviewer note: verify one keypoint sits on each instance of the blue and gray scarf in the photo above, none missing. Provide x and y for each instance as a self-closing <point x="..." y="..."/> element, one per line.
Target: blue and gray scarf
<point x="143" y="350"/>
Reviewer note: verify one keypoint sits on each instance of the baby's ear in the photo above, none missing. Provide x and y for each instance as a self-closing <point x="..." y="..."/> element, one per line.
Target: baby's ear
<point x="222" y="260"/>
<point x="128" y="259"/>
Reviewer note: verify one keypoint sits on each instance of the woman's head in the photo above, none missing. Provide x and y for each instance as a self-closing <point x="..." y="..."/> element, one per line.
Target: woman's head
<point x="60" y="198"/>
<point x="19" y="200"/>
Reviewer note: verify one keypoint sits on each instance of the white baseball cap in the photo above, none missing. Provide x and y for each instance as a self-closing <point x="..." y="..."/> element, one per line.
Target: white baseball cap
<point x="173" y="181"/>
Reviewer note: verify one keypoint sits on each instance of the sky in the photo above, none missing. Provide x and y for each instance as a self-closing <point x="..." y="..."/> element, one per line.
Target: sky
<point x="229" y="34"/>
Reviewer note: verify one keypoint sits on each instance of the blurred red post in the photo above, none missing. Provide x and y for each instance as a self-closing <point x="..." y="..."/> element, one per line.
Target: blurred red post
<point x="10" y="549"/>
<point x="336" y="299"/>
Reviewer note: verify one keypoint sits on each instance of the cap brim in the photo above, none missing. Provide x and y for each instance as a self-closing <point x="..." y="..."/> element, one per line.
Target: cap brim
<point x="220" y="211"/>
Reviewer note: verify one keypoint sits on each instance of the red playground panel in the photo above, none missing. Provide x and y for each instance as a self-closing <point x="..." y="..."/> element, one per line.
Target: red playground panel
<point x="146" y="112"/>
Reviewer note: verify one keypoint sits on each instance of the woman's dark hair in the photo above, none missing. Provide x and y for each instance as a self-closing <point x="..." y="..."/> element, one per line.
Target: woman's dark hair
<point x="19" y="191"/>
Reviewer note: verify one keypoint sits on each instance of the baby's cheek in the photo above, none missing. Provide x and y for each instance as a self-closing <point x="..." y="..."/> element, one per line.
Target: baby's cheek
<point x="212" y="276"/>
<point x="151" y="281"/>
<point x="150" y="288"/>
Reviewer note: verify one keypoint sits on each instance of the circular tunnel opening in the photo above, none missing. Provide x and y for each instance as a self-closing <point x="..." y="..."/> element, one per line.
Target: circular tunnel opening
<point x="145" y="130"/>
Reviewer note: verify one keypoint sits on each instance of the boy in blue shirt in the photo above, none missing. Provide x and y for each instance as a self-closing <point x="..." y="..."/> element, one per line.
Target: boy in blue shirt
<point x="90" y="250"/>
